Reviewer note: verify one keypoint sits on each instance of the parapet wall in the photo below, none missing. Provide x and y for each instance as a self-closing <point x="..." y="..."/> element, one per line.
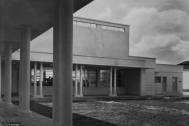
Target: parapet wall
<point x="100" y="39"/>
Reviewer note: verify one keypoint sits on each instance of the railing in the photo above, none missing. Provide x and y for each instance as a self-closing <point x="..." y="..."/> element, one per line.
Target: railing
<point x="99" y="24"/>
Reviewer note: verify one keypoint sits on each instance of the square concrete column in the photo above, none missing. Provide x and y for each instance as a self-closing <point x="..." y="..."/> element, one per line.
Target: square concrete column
<point x="115" y="81"/>
<point x="110" y="82"/>
<point x="41" y="81"/>
<point x="0" y="76"/>
<point x="20" y="82"/>
<point x="25" y="70"/>
<point x="142" y="82"/>
<point x="8" y="74"/>
<point x="62" y="62"/>
<point x="76" y="69"/>
<point x="81" y="81"/>
<point x="35" y="80"/>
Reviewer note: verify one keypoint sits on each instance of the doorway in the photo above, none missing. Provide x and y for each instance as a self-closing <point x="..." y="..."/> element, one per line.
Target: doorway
<point x="175" y="83"/>
<point x="164" y="84"/>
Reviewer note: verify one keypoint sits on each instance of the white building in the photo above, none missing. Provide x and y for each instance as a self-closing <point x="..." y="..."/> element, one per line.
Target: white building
<point x="185" y="76"/>
<point x="101" y="57"/>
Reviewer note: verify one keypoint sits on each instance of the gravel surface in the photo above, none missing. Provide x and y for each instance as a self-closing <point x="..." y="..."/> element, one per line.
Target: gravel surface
<point x="124" y="113"/>
<point x="135" y="113"/>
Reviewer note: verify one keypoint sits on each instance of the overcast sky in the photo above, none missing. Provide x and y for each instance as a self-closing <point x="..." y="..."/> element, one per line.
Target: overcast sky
<point x="158" y="28"/>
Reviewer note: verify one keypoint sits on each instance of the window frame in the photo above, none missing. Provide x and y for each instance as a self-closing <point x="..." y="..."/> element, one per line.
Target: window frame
<point x="158" y="79"/>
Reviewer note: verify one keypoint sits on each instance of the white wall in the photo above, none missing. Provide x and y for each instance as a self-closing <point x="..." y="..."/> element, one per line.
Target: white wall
<point x="2" y="78"/>
<point x="169" y="76"/>
<point x="149" y="62"/>
<point x="100" y="43"/>
<point x="169" y="71"/>
<point x="186" y="79"/>
<point x="168" y="68"/>
<point x="150" y="84"/>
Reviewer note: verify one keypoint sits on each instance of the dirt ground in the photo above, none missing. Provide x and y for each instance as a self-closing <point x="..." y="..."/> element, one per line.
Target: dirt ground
<point x="135" y="113"/>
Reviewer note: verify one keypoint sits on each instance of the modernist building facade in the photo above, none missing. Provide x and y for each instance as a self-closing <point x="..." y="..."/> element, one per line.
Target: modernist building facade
<point x="101" y="65"/>
<point x="185" y="76"/>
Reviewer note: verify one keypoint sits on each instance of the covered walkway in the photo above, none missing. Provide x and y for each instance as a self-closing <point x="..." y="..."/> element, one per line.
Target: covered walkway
<point x="12" y="114"/>
<point x="22" y="21"/>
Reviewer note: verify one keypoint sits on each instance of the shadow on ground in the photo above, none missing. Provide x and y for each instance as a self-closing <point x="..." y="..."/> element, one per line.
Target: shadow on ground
<point x="78" y="120"/>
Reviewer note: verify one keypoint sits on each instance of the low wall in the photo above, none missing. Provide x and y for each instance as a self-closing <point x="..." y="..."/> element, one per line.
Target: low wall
<point x="48" y="90"/>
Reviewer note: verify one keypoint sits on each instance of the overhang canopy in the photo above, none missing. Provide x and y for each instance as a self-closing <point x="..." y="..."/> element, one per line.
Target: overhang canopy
<point x="37" y="13"/>
<point x="184" y="63"/>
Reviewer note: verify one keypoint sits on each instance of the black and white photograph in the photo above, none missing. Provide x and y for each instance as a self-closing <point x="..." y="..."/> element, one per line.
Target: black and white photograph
<point x="94" y="62"/>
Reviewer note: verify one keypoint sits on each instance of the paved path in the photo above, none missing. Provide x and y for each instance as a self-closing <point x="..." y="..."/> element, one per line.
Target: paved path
<point x="8" y="114"/>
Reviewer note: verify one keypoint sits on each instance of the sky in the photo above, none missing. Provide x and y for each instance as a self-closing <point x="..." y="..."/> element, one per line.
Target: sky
<point x="158" y="28"/>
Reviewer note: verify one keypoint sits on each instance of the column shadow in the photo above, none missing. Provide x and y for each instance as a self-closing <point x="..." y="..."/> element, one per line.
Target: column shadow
<point x="78" y="120"/>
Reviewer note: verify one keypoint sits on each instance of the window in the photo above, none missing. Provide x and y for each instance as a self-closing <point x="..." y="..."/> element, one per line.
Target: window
<point x="83" y="24"/>
<point x="93" y="25"/>
<point x="104" y="27"/>
<point x="47" y="77"/>
<point x="157" y="79"/>
<point x="112" y="28"/>
<point x="91" y="77"/>
<point x="121" y="29"/>
<point x="104" y="77"/>
<point x="120" y="78"/>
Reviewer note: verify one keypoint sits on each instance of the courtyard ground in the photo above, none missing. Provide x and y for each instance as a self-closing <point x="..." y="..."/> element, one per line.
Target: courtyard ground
<point x="124" y="112"/>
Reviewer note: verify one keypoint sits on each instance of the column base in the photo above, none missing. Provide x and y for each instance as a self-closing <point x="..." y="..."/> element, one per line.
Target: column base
<point x="41" y="96"/>
<point x="8" y="104"/>
<point x="25" y="113"/>
<point x="113" y="95"/>
<point x="78" y="96"/>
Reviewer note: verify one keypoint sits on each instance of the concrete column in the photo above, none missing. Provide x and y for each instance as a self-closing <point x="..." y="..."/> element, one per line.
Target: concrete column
<point x="25" y="70"/>
<point x="62" y="62"/>
<point x="41" y="81"/>
<point x="2" y="10"/>
<point x="8" y="74"/>
<point x="110" y="82"/>
<point x="3" y="76"/>
<point x="0" y="76"/>
<point x="142" y="82"/>
<point x="20" y="81"/>
<point x="76" y="69"/>
<point x="35" y="79"/>
<point x="115" y="81"/>
<point x="44" y="75"/>
<point x="81" y="81"/>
